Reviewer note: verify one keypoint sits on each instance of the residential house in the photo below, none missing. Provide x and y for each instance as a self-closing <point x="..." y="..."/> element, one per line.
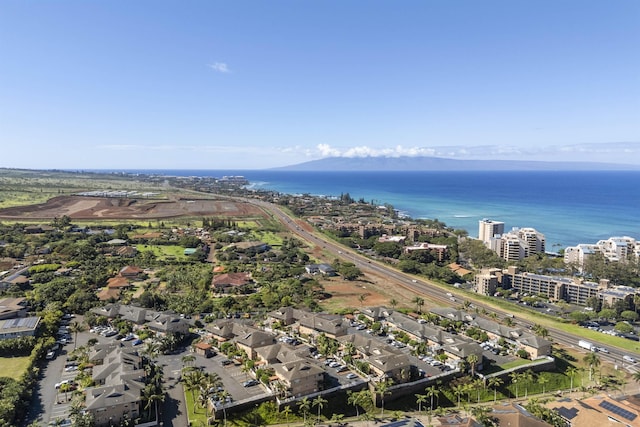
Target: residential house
<point x="225" y="281"/>
<point x="13" y="307"/>
<point x="18" y="327"/>
<point x="120" y="380"/>
<point x="300" y="377"/>
<point x="160" y="322"/>
<point x="599" y="411"/>
<point x="309" y="323"/>
<point x="313" y="324"/>
<point x="324" y="269"/>
<point x="131" y="272"/>
<point x="249" y="339"/>
<point x="384" y="360"/>
<point x="513" y="414"/>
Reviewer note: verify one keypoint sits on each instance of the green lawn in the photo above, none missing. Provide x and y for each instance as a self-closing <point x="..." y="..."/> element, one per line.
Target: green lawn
<point x="269" y="238"/>
<point x="197" y="418"/>
<point x="514" y="363"/>
<point x="13" y="367"/>
<point x="163" y="251"/>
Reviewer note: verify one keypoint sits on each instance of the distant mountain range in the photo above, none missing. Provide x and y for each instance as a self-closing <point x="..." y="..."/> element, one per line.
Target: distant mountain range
<point x="442" y="164"/>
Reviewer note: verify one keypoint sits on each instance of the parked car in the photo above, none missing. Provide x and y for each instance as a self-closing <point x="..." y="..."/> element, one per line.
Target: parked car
<point x="352" y="376"/>
<point x="250" y="383"/>
<point x="137" y="342"/>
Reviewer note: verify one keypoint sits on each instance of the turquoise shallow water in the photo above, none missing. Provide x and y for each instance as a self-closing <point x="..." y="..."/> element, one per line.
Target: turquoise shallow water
<point x="568" y="207"/>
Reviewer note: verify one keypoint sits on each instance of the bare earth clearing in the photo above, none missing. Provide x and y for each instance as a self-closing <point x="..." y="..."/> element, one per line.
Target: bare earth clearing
<point x="78" y="207"/>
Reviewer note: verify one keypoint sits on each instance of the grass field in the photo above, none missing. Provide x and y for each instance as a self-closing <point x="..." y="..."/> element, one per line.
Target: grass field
<point x="271" y="239"/>
<point x="13" y="367"/>
<point x="163" y="251"/>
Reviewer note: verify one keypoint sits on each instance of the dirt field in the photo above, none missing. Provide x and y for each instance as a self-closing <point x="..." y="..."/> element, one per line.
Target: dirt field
<point x="79" y="207"/>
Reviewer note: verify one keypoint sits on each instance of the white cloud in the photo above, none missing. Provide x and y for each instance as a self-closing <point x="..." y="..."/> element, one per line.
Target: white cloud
<point x="612" y="152"/>
<point x="220" y="67"/>
<point x="325" y="150"/>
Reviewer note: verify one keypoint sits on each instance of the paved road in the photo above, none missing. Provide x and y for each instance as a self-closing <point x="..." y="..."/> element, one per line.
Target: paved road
<point x="430" y="290"/>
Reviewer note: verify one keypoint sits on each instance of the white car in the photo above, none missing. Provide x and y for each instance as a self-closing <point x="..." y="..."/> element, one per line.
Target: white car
<point x="352" y="376"/>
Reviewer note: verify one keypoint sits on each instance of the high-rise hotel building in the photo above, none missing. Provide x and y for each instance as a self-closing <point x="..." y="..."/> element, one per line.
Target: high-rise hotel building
<point x="514" y="245"/>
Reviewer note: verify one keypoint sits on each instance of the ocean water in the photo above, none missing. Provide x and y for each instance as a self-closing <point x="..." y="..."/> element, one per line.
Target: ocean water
<point x="568" y="207"/>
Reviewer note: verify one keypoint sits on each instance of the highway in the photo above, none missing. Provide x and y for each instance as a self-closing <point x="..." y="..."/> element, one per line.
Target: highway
<point x="434" y="292"/>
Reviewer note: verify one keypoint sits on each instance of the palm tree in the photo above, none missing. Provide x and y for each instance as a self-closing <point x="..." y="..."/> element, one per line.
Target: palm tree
<point x="419" y="302"/>
<point x="543" y="380"/>
<point x="76" y="327"/>
<point x="354" y="399"/>
<point x="188" y="359"/>
<point x="581" y="370"/>
<point x="287" y="411"/>
<point x="192" y="381"/>
<point x="394" y="303"/>
<point x="153" y="398"/>
<point x="204" y="397"/>
<point x="151" y="350"/>
<point x="478" y="385"/>
<point x="222" y="397"/>
<point x="481" y="413"/>
<point x="636" y="377"/>
<point x="348" y="351"/>
<point x="431" y="392"/>
<point x="458" y="391"/>
<point x="494" y="383"/>
<point x="593" y="360"/>
<point x="319" y="402"/>
<point x="514" y="379"/>
<point x="382" y="389"/>
<point x="472" y="359"/>
<point x="304" y="405"/>
<point x="527" y="376"/>
<point x="572" y="371"/>
<point x="65" y="388"/>
<point x="420" y="399"/>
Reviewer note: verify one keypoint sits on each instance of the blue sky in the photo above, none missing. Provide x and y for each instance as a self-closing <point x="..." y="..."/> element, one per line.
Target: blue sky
<point x="258" y="84"/>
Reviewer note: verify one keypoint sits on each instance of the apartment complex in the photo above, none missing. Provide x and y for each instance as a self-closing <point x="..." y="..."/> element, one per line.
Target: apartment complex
<point x="513" y="245"/>
<point x="573" y="291"/>
<point x="613" y="249"/>
<point x="490" y="229"/>
<point x="120" y="379"/>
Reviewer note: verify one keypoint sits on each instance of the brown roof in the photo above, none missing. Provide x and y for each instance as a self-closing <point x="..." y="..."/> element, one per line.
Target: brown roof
<point x="230" y="279"/>
<point x="106" y="294"/>
<point x="118" y="282"/>
<point x="131" y="270"/>
<point x="202" y="346"/>
<point x="458" y="269"/>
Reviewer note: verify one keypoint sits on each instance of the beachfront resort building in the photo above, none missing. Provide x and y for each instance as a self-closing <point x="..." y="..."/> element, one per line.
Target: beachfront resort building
<point x="513" y="245"/>
<point x="571" y="290"/>
<point x="613" y="249"/>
